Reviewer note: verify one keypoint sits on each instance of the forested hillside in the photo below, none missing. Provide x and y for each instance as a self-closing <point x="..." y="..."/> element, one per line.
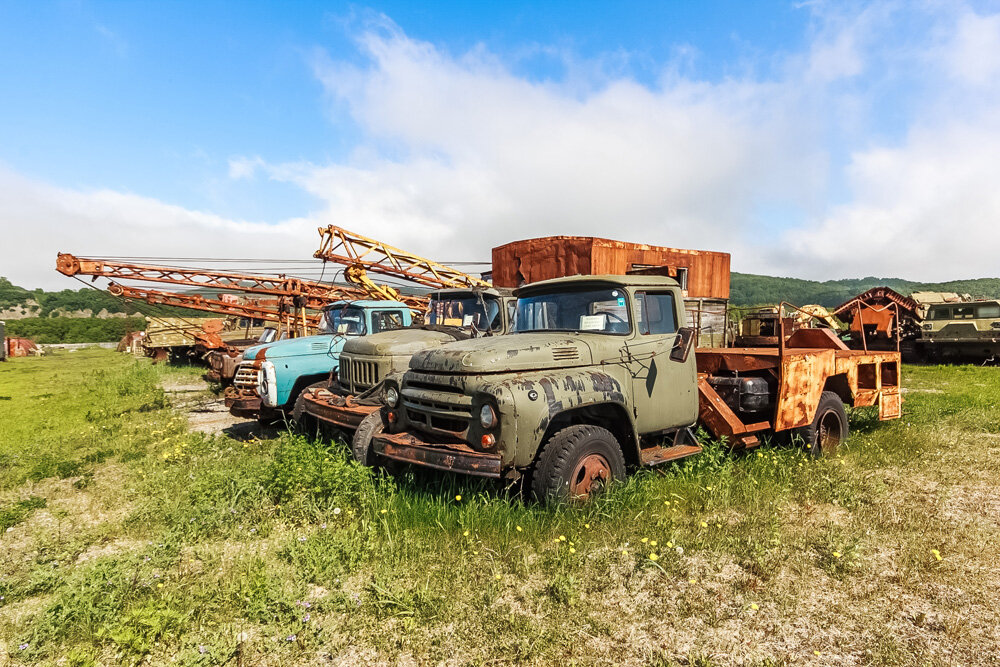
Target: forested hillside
<point x="748" y="289"/>
<point x="74" y="329"/>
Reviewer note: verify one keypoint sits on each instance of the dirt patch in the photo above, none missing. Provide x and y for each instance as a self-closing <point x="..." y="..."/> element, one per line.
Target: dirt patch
<point x="207" y="413"/>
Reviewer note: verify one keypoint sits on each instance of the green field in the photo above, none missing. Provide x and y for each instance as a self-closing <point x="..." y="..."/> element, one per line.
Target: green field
<point x="125" y="539"/>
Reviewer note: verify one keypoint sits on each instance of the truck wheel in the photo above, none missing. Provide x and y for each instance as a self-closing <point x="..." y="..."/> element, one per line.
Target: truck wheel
<point x="576" y="464"/>
<point x="301" y="421"/>
<point x="361" y="443"/>
<point x="829" y="428"/>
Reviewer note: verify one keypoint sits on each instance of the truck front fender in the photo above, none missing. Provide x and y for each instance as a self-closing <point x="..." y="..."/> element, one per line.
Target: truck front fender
<point x="534" y="405"/>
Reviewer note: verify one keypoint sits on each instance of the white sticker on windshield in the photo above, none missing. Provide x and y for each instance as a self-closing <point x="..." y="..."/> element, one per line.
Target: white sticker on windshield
<point x="467" y="321"/>
<point x="593" y="322"/>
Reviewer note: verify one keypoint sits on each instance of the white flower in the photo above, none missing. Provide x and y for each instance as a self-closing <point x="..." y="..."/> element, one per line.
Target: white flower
<point x="336" y="510"/>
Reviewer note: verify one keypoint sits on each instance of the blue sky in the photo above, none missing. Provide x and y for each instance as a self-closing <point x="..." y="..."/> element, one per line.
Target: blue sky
<point x="772" y="130"/>
<point x="154" y="98"/>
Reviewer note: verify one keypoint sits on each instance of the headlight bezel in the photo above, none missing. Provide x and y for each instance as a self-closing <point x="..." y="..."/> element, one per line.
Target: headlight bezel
<point x="392" y="396"/>
<point x="487" y="410"/>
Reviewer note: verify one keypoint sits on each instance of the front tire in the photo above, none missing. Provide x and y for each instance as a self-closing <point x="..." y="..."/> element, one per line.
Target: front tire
<point x="829" y="428"/>
<point x="361" y="443"/>
<point x="302" y="422"/>
<point x="576" y="464"/>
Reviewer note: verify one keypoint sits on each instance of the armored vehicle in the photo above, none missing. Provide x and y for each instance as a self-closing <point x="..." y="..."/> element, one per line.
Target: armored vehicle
<point x="599" y="374"/>
<point x="967" y="331"/>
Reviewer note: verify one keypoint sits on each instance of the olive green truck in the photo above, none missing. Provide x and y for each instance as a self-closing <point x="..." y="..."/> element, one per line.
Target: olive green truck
<point x="599" y="375"/>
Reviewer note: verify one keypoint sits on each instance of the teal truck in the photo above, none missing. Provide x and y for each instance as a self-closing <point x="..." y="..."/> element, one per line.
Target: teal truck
<point x="271" y="377"/>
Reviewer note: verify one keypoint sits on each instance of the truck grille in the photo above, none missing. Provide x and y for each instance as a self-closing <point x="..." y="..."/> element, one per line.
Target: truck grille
<point x="437" y="408"/>
<point x="357" y="375"/>
<point x="246" y="376"/>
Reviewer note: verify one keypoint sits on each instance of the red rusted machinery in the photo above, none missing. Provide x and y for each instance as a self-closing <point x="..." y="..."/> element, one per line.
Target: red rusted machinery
<point x="880" y="318"/>
<point x="797" y="372"/>
<point x="225" y="304"/>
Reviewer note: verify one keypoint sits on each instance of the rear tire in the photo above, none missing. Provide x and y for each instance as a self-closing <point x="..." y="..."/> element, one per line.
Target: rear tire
<point x="576" y="464"/>
<point x="829" y="428"/>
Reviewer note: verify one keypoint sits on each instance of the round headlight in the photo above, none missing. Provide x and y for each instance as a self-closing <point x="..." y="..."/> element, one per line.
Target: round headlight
<point x="487" y="417"/>
<point x="391" y="397"/>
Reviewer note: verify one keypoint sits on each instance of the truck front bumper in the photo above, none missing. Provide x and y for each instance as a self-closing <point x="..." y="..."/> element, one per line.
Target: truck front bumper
<point x="342" y="412"/>
<point x="454" y="456"/>
<point x="242" y="404"/>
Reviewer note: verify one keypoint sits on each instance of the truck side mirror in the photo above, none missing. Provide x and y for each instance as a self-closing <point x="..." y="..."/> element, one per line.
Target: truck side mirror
<point x="682" y="344"/>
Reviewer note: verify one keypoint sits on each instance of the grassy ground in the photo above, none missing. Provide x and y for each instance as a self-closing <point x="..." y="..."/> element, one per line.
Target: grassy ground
<point x="127" y="539"/>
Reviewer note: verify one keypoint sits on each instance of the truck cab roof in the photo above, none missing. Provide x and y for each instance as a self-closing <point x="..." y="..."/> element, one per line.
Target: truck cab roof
<point x="623" y="281"/>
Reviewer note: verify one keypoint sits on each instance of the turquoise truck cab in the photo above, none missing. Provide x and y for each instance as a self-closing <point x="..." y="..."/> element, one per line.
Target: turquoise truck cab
<point x="270" y="378"/>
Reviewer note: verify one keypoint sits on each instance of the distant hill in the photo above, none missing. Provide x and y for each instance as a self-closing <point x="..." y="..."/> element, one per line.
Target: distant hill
<point x="747" y="289"/>
<point x="19" y="303"/>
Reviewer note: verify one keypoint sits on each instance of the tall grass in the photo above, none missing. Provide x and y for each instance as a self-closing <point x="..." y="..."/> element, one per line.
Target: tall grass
<point x="282" y="550"/>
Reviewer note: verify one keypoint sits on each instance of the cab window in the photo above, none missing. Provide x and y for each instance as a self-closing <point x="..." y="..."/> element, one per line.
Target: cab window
<point x="990" y="311"/>
<point x="657" y="313"/>
<point x="384" y="320"/>
<point x="964" y="312"/>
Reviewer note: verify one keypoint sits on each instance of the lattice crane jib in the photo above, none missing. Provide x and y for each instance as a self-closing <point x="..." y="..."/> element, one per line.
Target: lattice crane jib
<point x="361" y="254"/>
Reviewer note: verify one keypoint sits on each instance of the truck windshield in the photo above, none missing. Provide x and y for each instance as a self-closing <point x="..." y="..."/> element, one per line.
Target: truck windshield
<point x="465" y="311"/>
<point x="346" y="320"/>
<point x="593" y="310"/>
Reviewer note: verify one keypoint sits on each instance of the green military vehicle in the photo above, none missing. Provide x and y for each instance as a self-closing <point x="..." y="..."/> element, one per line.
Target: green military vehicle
<point x="598" y="373"/>
<point x="963" y="331"/>
<point x="353" y="391"/>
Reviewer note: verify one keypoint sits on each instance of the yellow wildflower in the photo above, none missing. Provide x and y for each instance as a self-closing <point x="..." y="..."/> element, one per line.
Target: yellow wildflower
<point x="562" y="538"/>
<point x="652" y="543"/>
<point x="692" y="581"/>
<point x="586" y="525"/>
<point x="937" y="554"/>
<point x="654" y="557"/>
<point x="753" y="605"/>
<point x="645" y="539"/>
<point x="836" y="554"/>
<point x="704" y="525"/>
<point x="458" y="497"/>
<point x="466" y="533"/>
<point x="518" y="529"/>
<point x="572" y="550"/>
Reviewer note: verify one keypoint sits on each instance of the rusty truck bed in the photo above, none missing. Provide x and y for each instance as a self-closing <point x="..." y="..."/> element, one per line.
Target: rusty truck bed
<point x="812" y="361"/>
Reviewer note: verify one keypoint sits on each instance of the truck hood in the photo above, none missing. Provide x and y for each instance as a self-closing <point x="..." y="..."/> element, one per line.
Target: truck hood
<point x="397" y="342"/>
<point x="499" y="354"/>
<point x="295" y="347"/>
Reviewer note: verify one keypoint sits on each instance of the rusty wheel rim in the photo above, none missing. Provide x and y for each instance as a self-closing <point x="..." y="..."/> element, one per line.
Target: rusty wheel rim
<point x="830" y="432"/>
<point x="589" y="476"/>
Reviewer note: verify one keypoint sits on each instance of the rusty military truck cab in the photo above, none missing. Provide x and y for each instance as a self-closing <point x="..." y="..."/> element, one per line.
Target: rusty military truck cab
<point x="599" y="375"/>
<point x="596" y="374"/>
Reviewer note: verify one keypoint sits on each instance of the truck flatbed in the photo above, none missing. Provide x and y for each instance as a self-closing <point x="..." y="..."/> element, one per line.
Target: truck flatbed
<point x="812" y="361"/>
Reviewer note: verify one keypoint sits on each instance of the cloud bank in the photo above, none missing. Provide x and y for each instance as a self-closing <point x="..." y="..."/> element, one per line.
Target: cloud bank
<point x="870" y="152"/>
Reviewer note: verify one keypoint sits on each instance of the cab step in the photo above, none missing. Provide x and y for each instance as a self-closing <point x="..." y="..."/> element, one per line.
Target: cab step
<point x="652" y="456"/>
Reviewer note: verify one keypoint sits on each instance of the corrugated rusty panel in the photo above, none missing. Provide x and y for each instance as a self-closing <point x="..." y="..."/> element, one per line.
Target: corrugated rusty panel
<point x="803" y="376"/>
<point x="531" y="260"/>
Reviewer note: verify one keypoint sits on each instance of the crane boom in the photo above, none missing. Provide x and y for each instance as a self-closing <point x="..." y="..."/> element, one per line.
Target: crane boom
<point x="309" y="293"/>
<point x="218" y="306"/>
<point x="361" y="254"/>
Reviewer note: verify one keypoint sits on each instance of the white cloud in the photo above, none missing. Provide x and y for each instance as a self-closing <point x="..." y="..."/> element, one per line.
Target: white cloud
<point x="241" y="167"/>
<point x="459" y="153"/>
<point x="41" y="220"/>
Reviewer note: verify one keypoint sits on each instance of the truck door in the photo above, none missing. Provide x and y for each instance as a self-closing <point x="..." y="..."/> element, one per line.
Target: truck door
<point x="665" y="391"/>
